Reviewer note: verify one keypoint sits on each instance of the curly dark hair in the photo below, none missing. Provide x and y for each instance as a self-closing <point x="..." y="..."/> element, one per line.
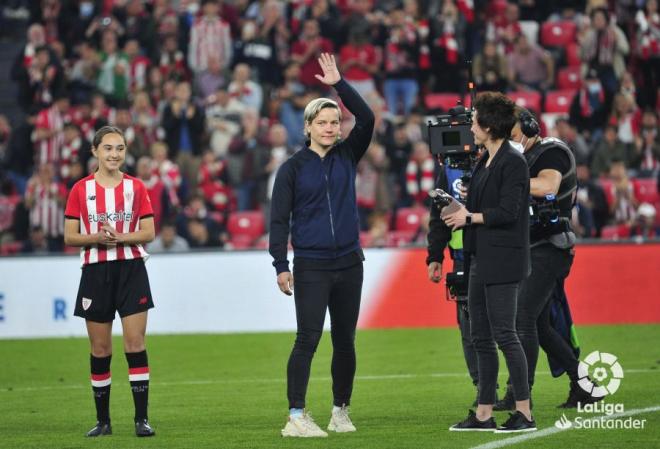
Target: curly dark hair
<point x="495" y="114"/>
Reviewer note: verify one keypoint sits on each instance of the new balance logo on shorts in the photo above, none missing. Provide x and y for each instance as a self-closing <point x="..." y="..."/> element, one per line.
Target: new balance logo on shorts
<point x="86" y="302"/>
<point x="143" y="300"/>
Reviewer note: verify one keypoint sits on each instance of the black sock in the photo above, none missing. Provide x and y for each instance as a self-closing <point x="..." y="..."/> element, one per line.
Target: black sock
<point x="100" y="367"/>
<point x="138" y="376"/>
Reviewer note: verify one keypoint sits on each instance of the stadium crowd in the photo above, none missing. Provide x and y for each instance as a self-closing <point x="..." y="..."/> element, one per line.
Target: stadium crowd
<point x="210" y="95"/>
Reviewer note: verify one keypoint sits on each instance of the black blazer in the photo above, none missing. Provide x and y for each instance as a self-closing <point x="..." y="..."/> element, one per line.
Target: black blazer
<point x="501" y="244"/>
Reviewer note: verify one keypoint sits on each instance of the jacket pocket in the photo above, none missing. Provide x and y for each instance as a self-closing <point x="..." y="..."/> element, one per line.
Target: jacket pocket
<point x="309" y="229"/>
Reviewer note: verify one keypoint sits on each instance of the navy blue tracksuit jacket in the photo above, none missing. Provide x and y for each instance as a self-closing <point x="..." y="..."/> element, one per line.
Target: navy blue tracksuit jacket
<point x="314" y="198"/>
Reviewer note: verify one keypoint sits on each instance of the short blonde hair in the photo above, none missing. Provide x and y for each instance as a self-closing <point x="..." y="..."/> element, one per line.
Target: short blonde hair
<point x="314" y="107"/>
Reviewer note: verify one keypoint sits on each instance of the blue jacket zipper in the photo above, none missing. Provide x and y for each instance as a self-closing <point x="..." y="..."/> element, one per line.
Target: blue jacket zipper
<point x="327" y="195"/>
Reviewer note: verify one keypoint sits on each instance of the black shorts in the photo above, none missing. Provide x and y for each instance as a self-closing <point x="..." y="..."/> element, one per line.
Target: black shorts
<point x="108" y="287"/>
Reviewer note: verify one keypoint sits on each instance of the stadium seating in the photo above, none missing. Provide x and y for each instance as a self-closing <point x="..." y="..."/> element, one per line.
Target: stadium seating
<point x="615" y="232"/>
<point x="569" y="78"/>
<point x="573" y="55"/>
<point x="442" y="101"/>
<point x="7" y="249"/>
<point x="409" y="218"/>
<point x="646" y="190"/>
<point x="558" y="34"/>
<point x="527" y="99"/>
<point x="248" y="224"/>
<point x="558" y="101"/>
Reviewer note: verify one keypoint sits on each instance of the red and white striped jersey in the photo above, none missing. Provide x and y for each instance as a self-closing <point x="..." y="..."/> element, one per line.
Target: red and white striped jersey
<point x="48" y="150"/>
<point x="209" y="37"/>
<point x="46" y="212"/>
<point x="121" y="207"/>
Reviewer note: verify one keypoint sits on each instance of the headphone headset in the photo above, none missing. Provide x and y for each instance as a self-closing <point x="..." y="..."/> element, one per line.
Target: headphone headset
<point x="528" y="124"/>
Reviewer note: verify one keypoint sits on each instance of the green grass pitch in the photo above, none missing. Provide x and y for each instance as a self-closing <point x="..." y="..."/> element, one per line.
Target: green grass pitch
<point x="229" y="391"/>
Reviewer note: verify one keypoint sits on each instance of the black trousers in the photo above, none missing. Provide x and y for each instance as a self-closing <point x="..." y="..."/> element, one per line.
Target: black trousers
<point x="463" y="316"/>
<point x="463" y="319"/>
<point x="549" y="265"/>
<point x="315" y="292"/>
<point x="492" y="310"/>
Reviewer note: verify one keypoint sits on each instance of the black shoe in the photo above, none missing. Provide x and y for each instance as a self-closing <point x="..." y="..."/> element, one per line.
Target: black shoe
<point x="101" y="428"/>
<point x="577" y="395"/>
<point x="472" y="424"/>
<point x="517" y="423"/>
<point x="143" y="429"/>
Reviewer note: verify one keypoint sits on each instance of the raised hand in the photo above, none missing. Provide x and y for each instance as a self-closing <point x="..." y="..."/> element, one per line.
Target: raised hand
<point x="331" y="74"/>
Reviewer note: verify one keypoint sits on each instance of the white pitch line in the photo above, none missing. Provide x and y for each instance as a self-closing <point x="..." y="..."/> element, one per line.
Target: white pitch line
<point x="553" y="430"/>
<point x="400" y="376"/>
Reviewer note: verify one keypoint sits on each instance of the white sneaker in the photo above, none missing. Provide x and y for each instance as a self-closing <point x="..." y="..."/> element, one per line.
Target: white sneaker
<point x="340" y="421"/>
<point x="302" y="426"/>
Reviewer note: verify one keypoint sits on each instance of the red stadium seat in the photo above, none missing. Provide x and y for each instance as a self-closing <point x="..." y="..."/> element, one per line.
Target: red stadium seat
<point x="527" y="99"/>
<point x="443" y="101"/>
<point x="615" y="232"/>
<point x="409" y="218"/>
<point x="558" y="34"/>
<point x="646" y="190"/>
<point x="573" y="55"/>
<point x="559" y="101"/>
<point x="569" y="78"/>
<point x="246" y="223"/>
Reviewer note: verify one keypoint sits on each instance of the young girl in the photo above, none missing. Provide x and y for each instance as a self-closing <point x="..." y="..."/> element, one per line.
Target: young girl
<point x="109" y="216"/>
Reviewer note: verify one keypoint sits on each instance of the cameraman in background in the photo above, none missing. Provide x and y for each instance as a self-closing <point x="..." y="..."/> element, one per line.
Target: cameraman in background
<point x="441" y="236"/>
<point x="553" y="183"/>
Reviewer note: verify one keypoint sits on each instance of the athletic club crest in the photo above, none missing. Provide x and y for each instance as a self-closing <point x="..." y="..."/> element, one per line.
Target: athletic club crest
<point x="86" y="302"/>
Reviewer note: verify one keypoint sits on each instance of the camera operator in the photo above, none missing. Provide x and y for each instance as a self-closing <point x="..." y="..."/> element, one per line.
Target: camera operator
<point x="496" y="245"/>
<point x="439" y="237"/>
<point x="553" y="182"/>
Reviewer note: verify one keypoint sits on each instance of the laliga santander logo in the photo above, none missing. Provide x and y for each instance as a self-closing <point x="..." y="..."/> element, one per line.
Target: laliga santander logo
<point x="602" y="366"/>
<point x="606" y="370"/>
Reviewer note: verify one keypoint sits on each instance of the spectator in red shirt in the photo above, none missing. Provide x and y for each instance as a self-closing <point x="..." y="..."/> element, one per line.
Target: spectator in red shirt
<point x="504" y="29"/>
<point x="155" y="188"/>
<point x="420" y="174"/>
<point x="209" y="35"/>
<point x="45" y="198"/>
<point x="359" y="61"/>
<point x="306" y="51"/>
<point x="167" y="171"/>
<point x="49" y="131"/>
